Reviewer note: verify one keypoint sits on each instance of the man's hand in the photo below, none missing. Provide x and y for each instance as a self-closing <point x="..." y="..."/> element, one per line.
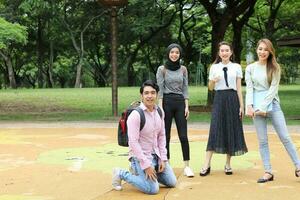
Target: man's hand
<point x="150" y="173"/>
<point x="161" y="167"/>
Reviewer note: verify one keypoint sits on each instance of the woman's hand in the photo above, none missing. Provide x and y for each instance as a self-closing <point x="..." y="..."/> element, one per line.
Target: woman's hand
<point x="216" y="79"/>
<point x="186" y="112"/>
<point x="250" y="111"/>
<point x="260" y="113"/>
<point x="241" y="114"/>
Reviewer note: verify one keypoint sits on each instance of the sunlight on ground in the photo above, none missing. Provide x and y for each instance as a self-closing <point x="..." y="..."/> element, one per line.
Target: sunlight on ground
<point x="111" y="155"/>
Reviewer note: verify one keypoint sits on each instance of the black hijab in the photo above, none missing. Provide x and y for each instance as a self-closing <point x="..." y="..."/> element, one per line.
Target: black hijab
<point x="169" y="63"/>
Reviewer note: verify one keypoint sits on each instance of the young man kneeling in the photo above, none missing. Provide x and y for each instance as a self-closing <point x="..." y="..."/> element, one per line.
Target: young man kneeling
<point x="147" y="148"/>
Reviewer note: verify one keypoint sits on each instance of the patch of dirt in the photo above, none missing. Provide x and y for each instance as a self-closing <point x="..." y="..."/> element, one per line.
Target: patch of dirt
<point x="27" y="107"/>
<point x="200" y="108"/>
<point x="294" y="117"/>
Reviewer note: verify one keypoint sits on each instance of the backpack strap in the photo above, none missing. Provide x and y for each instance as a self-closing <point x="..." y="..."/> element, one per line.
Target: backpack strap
<point x="142" y="117"/>
<point x="159" y="111"/>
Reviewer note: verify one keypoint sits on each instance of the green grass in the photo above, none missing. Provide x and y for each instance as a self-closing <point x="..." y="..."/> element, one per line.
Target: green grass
<point x="89" y="104"/>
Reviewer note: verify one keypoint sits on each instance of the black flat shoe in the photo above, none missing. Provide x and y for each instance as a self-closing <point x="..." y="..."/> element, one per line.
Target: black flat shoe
<point x="263" y="180"/>
<point x="297" y="172"/>
<point x="228" y="171"/>
<point x="204" y="172"/>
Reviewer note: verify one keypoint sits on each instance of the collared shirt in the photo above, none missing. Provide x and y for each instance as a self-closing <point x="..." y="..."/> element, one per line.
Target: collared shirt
<point x="234" y="71"/>
<point x="151" y="139"/>
<point x="256" y="80"/>
<point x="172" y="81"/>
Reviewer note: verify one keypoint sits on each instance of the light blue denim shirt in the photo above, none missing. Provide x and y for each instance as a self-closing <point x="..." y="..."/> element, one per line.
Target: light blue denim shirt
<point x="256" y="80"/>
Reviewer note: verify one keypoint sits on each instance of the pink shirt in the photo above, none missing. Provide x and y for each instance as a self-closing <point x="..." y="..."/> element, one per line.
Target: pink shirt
<point x="151" y="139"/>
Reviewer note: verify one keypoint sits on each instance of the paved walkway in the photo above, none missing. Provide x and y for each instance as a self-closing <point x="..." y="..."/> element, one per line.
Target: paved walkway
<point x="294" y="129"/>
<point x="73" y="161"/>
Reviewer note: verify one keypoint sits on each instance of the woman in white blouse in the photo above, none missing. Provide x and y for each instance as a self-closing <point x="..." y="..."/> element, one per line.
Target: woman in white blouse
<point x="226" y="134"/>
<point x="262" y="102"/>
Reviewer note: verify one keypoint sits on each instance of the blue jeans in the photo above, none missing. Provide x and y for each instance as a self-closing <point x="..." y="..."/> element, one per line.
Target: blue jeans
<point x="279" y="124"/>
<point x="138" y="177"/>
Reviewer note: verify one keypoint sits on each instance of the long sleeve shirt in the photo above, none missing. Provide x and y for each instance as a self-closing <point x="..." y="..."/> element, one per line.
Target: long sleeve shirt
<point x="172" y="81"/>
<point x="150" y="140"/>
<point x="256" y="80"/>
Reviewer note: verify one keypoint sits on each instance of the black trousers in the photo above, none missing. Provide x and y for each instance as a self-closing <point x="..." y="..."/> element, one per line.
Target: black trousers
<point x="174" y="107"/>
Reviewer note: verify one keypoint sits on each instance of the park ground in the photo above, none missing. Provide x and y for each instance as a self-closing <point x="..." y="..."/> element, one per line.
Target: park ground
<point x="74" y="160"/>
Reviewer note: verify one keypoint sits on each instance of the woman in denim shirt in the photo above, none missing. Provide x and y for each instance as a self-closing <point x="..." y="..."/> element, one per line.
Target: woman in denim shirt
<point x="262" y="102"/>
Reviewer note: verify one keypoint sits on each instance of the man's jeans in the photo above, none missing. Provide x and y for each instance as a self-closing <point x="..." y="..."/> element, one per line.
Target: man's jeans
<point x="279" y="124"/>
<point x="138" y="177"/>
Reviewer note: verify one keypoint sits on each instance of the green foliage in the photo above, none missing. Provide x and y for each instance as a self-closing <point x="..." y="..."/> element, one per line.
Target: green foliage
<point x="28" y="70"/>
<point x="35" y="6"/>
<point x="11" y="33"/>
<point x="145" y="29"/>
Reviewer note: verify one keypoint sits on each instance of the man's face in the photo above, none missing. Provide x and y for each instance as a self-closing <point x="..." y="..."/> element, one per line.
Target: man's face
<point x="149" y="96"/>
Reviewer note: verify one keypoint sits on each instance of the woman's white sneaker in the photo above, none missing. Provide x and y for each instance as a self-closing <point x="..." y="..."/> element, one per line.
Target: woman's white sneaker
<point x="188" y="172"/>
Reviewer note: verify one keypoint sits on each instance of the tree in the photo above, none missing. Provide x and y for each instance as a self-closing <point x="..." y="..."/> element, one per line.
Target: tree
<point x="40" y="13"/>
<point x="148" y="23"/>
<point x="76" y="29"/>
<point x="222" y="13"/>
<point x="10" y="33"/>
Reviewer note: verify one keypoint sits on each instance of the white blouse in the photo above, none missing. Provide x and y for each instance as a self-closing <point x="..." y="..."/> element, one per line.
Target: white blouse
<point x="234" y="71"/>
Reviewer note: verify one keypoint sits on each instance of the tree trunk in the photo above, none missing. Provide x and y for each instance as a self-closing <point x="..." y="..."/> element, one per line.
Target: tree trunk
<point x="130" y="70"/>
<point x="218" y="33"/>
<point x="11" y="74"/>
<point x="217" y="36"/>
<point x="40" y="53"/>
<point x="237" y="42"/>
<point x="50" y="69"/>
<point x="78" y="72"/>
<point x="10" y="70"/>
<point x="237" y="32"/>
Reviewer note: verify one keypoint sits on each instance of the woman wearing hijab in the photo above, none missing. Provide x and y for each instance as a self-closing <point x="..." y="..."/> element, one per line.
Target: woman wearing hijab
<point x="172" y="79"/>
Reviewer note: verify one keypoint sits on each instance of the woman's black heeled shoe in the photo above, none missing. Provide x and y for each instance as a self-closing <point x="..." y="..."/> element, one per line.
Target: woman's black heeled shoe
<point x="297" y="172"/>
<point x="263" y="180"/>
<point x="205" y="172"/>
<point x="228" y="171"/>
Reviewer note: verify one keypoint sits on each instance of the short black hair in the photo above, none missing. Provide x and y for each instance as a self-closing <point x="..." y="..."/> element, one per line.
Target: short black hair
<point x="150" y="83"/>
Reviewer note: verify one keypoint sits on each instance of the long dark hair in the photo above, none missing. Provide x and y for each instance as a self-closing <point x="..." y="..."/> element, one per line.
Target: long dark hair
<point x="218" y="58"/>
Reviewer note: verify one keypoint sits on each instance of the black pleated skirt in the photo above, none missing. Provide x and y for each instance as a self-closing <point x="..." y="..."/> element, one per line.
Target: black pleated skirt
<point x="226" y="135"/>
